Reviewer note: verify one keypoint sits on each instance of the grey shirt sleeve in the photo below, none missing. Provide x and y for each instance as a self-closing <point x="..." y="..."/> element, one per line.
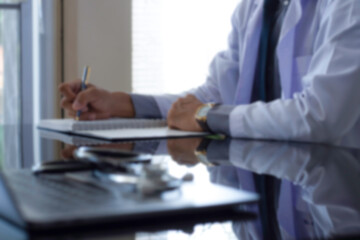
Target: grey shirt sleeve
<point x="218" y="119"/>
<point x="145" y="106"/>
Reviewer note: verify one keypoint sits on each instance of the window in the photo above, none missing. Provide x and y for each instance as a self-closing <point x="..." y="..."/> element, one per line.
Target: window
<point x="14" y="68"/>
<point x="174" y="42"/>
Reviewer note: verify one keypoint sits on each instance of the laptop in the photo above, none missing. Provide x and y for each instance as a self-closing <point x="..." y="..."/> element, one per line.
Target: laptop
<point x="56" y="201"/>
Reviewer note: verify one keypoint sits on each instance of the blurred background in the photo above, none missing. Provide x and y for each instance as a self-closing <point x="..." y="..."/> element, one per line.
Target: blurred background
<point x="142" y="46"/>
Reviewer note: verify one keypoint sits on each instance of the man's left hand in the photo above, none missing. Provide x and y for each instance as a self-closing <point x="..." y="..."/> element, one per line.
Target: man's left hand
<point x="182" y="114"/>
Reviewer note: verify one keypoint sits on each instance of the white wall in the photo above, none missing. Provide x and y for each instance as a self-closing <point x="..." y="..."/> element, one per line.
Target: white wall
<point x="98" y="34"/>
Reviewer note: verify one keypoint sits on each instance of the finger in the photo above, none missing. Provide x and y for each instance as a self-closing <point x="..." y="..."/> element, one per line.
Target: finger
<point x="66" y="91"/>
<point x="71" y="113"/>
<point x="70" y="89"/>
<point x="170" y="116"/>
<point x="186" y="100"/>
<point x="179" y="103"/>
<point x="85" y="97"/>
<point x="87" y="116"/>
<point x="172" y="125"/>
<point x="180" y="100"/>
<point x="66" y="103"/>
<point x="190" y="96"/>
<point x="75" y="85"/>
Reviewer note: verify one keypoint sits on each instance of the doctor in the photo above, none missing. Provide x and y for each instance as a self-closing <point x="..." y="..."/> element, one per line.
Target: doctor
<point x="291" y="72"/>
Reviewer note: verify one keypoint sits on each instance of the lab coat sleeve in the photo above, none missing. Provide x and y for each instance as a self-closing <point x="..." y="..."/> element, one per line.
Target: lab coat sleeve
<point x="224" y="67"/>
<point x="328" y="107"/>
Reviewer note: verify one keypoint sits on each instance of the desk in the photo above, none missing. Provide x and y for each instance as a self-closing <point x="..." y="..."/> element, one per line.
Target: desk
<point x="308" y="190"/>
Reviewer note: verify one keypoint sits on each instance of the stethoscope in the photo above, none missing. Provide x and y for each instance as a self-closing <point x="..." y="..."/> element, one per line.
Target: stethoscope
<point x="116" y="166"/>
<point x="91" y="158"/>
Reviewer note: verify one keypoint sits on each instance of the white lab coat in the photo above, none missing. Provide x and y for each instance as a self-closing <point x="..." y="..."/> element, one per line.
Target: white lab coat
<point x="319" y="61"/>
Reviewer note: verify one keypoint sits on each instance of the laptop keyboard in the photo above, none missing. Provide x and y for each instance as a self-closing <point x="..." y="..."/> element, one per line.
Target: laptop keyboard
<point x="57" y="193"/>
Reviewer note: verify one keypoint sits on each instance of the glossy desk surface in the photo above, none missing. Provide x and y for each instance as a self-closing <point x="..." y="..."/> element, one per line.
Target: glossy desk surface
<point x="308" y="191"/>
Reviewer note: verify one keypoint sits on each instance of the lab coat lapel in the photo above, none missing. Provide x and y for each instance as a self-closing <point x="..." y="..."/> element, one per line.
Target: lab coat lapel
<point x="248" y="61"/>
<point x="285" y="49"/>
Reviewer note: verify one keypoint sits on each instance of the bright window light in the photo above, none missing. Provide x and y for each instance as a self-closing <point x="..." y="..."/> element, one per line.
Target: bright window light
<point x="174" y="42"/>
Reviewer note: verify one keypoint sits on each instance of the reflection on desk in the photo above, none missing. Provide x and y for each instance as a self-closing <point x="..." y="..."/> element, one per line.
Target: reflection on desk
<point x="317" y="196"/>
<point x="308" y="191"/>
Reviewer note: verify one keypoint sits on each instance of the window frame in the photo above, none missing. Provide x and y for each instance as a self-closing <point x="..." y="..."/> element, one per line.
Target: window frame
<point x="40" y="72"/>
<point x="26" y="83"/>
<point x="26" y="78"/>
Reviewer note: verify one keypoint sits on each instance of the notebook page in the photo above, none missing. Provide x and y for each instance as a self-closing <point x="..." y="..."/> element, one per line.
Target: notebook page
<point x="117" y="123"/>
<point x="70" y="125"/>
<point x="62" y="125"/>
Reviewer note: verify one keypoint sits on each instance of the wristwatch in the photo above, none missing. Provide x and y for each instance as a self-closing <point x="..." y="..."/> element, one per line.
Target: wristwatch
<point x="201" y="116"/>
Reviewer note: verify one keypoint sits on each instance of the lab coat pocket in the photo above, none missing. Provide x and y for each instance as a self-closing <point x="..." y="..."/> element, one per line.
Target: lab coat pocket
<point x="303" y="65"/>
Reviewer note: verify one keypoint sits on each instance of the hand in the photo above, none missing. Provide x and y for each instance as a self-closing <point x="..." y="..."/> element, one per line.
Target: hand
<point x="183" y="150"/>
<point x="94" y="103"/>
<point x="182" y="114"/>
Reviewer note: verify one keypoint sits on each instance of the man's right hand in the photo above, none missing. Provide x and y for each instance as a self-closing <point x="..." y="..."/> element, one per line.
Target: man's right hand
<point x="95" y="103"/>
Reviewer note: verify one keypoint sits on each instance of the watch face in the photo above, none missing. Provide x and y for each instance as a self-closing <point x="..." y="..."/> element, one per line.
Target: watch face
<point x="201" y="116"/>
<point x="203" y="111"/>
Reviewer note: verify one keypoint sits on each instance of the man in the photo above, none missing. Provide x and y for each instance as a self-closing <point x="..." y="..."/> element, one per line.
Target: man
<point x="292" y="72"/>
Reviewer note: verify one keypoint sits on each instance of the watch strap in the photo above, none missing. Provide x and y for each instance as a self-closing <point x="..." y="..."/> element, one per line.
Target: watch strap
<point x="202" y="121"/>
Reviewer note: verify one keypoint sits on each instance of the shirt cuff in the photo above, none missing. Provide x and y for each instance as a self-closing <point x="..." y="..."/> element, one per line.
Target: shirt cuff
<point x="145" y="106"/>
<point x="218" y="119"/>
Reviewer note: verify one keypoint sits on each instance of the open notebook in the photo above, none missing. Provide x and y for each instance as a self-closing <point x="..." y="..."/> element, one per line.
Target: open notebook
<point x="116" y="129"/>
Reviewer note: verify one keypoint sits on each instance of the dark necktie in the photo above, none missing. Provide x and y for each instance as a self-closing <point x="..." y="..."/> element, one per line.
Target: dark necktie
<point x="269" y="189"/>
<point x="261" y="89"/>
<point x="267" y="186"/>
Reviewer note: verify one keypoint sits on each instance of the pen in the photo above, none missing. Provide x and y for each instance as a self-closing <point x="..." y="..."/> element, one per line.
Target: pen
<point x="84" y="84"/>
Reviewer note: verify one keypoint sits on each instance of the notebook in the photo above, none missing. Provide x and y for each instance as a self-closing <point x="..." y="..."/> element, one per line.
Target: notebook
<point x="71" y="125"/>
<point x="116" y="129"/>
